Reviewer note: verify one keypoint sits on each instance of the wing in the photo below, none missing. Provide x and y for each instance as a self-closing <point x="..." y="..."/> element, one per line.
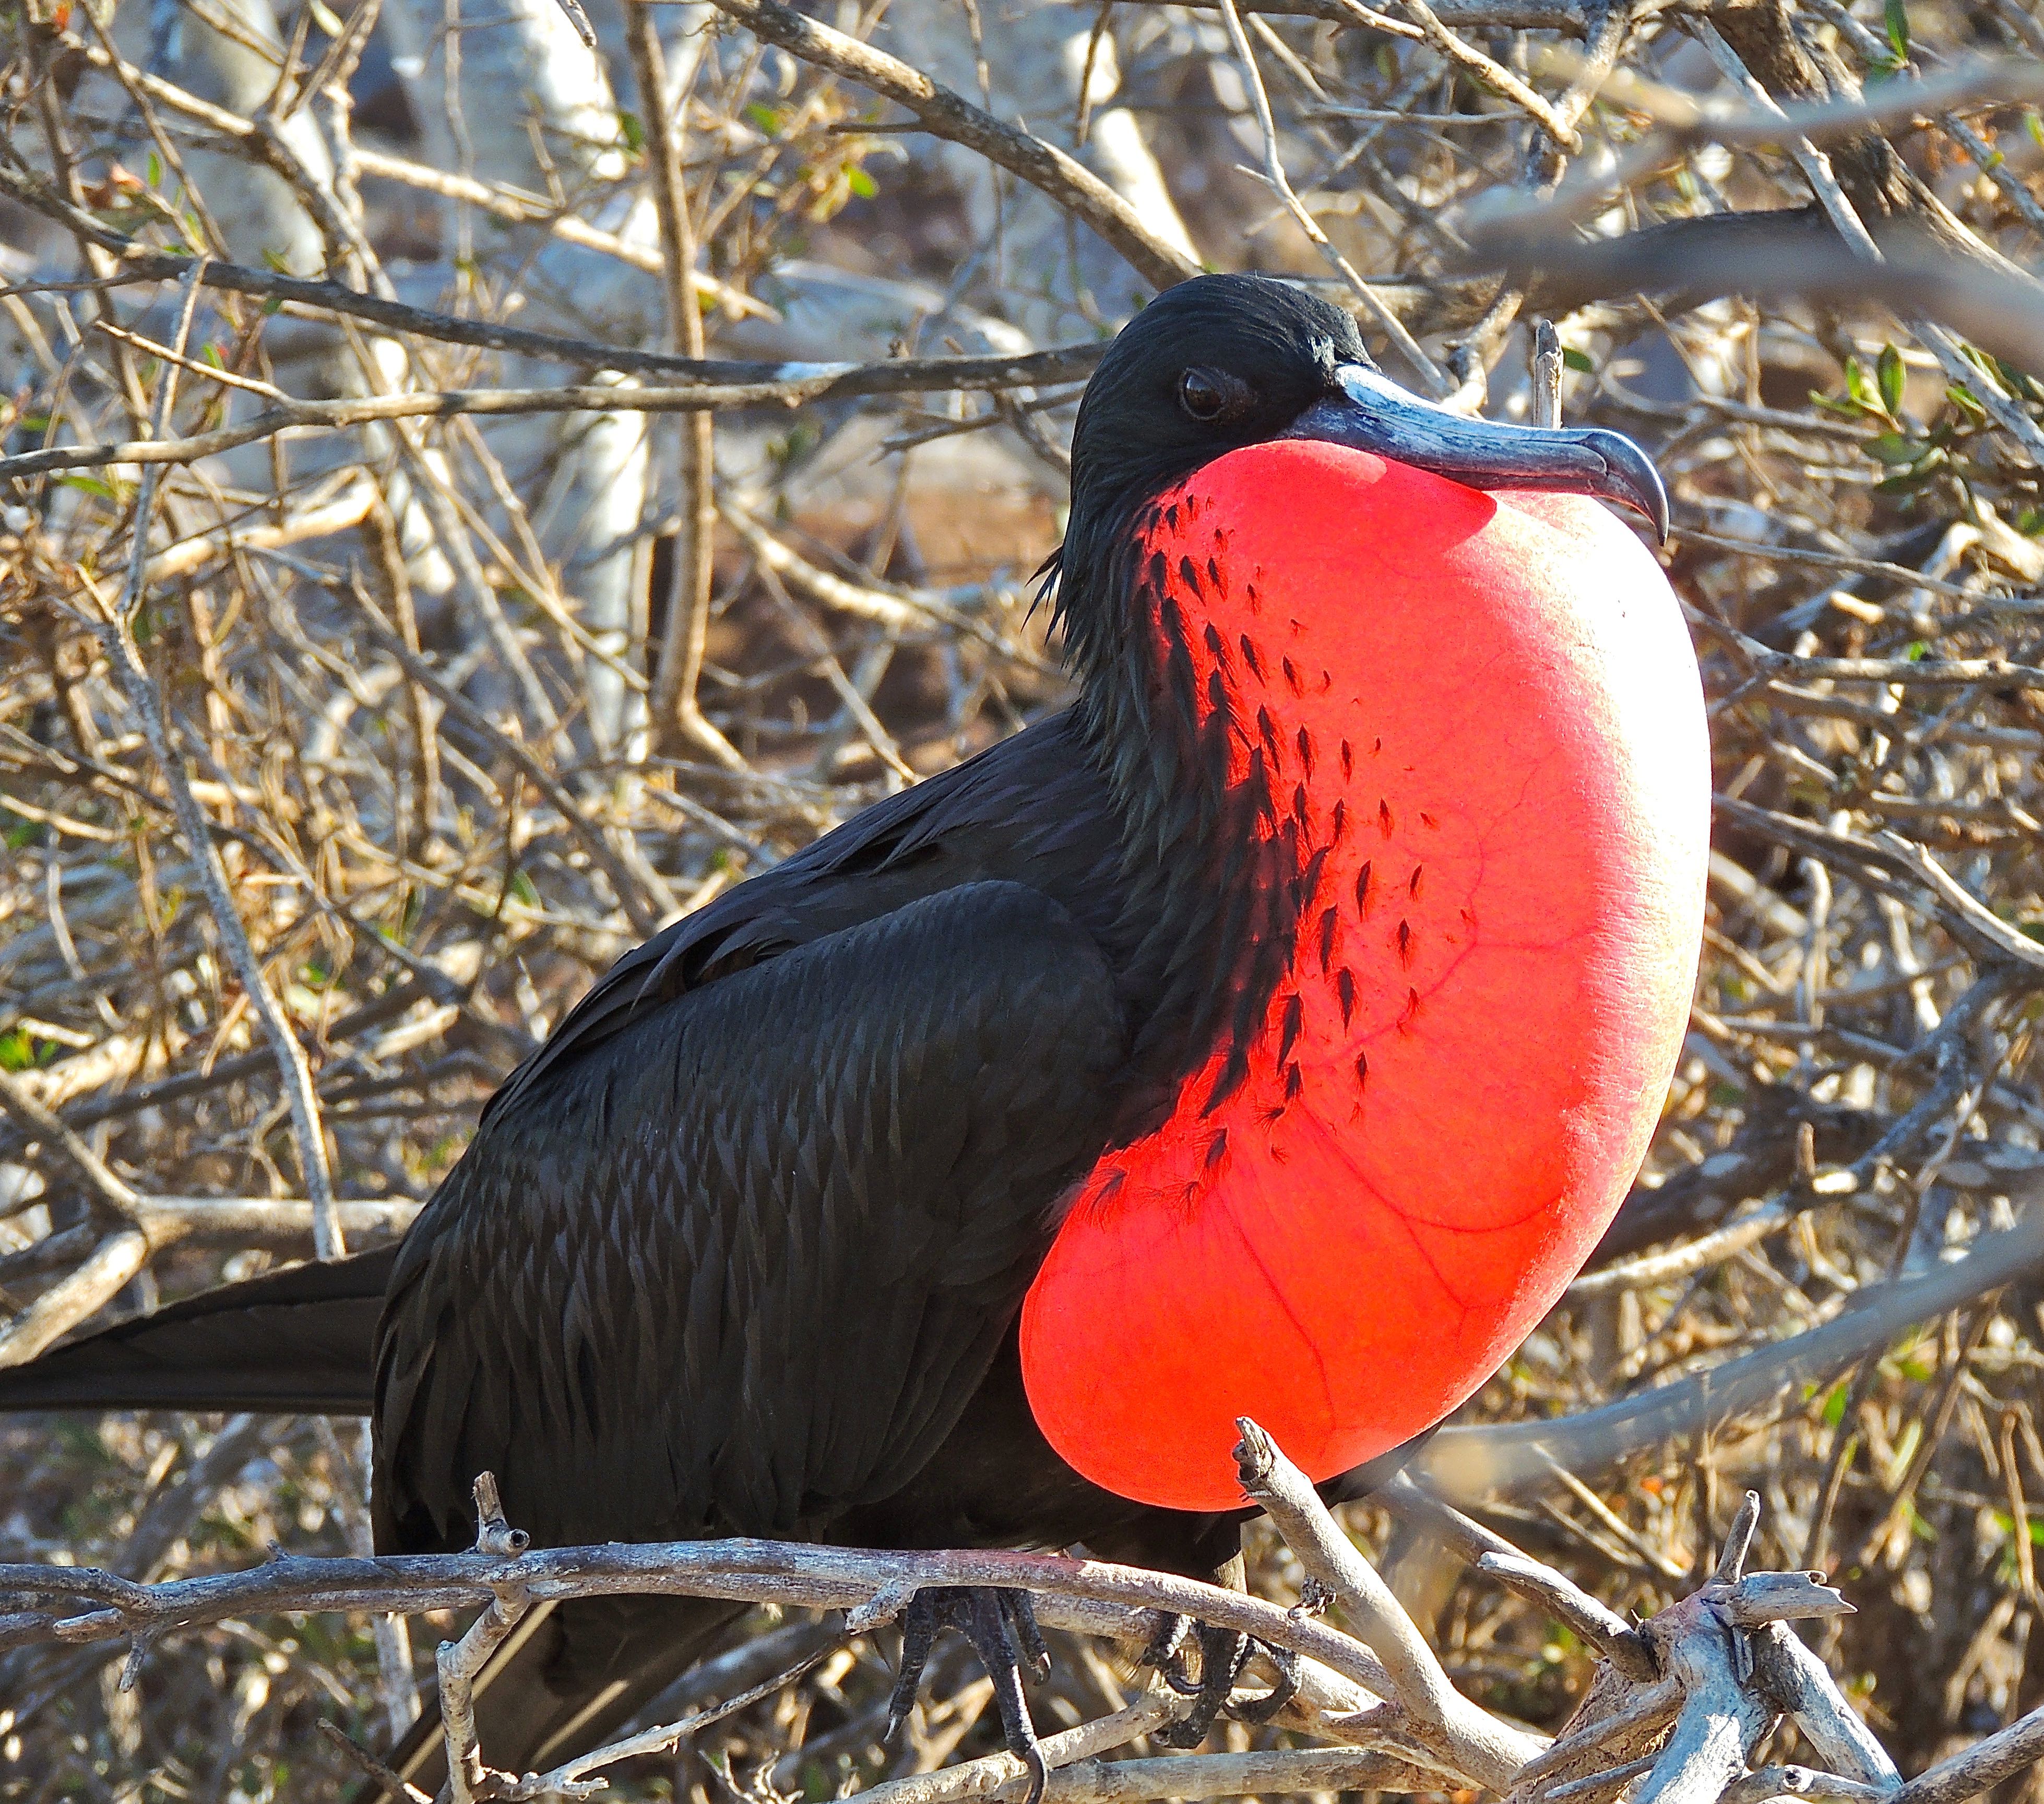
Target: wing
<point x="741" y="1264"/>
<point x="1031" y="809"/>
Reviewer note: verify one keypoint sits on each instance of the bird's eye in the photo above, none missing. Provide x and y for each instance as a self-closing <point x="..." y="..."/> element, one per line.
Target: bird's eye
<point x="1211" y="395"/>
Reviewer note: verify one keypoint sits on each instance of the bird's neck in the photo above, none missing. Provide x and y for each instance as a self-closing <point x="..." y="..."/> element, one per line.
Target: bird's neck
<point x="1220" y="826"/>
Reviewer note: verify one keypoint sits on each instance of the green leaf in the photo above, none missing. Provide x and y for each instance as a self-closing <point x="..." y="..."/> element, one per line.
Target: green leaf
<point x="2020" y="384"/>
<point x="1896" y="447"/>
<point x="1891" y="378"/>
<point x="1906" y="1443"/>
<point x="19" y="1050"/>
<point x="632" y="129"/>
<point x="1860" y="386"/>
<point x="212" y="355"/>
<point x="156" y="168"/>
<point x="861" y="183"/>
<point x="1898" y="29"/>
<point x="2006" y="1523"/>
<point x="765" y="117"/>
<point x="91" y="485"/>
<point x="1918" y="650"/>
<point x="521" y="887"/>
<point x="1963" y="400"/>
<point x="2035" y="126"/>
<point x="1576" y="360"/>
<point x="1831" y="404"/>
<point x="1834" y="1405"/>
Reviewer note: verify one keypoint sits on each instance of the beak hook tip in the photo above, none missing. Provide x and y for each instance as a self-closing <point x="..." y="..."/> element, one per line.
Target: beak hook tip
<point x="1634" y="479"/>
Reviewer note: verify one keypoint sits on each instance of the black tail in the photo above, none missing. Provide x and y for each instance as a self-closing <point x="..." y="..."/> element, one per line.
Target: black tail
<point x="300" y="1341"/>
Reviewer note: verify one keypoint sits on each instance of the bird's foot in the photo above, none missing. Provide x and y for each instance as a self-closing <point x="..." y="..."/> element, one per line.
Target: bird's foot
<point x="1002" y="1629"/>
<point x="1263" y="1709"/>
<point x="1222" y="1654"/>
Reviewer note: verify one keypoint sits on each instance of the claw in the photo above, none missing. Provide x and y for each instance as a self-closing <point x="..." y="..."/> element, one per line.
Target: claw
<point x="1002" y="1629"/>
<point x="1166" y="1643"/>
<point x="1021" y="1620"/>
<point x="1262" y="1710"/>
<point x="918" y="1634"/>
<point x="1223" y="1655"/>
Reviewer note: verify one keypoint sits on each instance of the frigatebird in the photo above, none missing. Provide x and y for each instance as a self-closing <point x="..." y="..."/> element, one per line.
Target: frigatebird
<point x="1272" y="1032"/>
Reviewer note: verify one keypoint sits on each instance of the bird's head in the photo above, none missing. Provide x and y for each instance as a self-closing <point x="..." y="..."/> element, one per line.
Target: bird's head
<point x="1222" y="362"/>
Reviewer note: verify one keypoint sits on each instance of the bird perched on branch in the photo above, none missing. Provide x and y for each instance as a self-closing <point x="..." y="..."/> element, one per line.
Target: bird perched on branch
<point x="1271" y="1033"/>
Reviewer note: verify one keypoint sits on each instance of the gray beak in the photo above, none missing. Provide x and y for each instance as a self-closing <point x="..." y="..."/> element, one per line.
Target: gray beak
<point x="1372" y="413"/>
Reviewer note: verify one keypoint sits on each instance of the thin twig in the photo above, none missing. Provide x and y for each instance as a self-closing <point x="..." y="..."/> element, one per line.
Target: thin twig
<point x="947" y="115"/>
<point x="117" y="637"/>
<point x="1274" y="173"/>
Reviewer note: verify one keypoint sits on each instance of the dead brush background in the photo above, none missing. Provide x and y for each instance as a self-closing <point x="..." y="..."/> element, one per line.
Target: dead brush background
<point x="347" y="729"/>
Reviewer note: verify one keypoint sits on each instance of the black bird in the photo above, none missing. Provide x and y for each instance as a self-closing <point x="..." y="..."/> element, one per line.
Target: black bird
<point x="744" y="1248"/>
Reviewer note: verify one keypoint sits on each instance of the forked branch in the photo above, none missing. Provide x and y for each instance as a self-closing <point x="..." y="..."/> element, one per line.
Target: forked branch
<point x="1677" y="1706"/>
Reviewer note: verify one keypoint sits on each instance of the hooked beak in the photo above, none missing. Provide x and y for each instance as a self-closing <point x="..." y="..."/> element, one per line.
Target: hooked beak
<point x="1372" y="413"/>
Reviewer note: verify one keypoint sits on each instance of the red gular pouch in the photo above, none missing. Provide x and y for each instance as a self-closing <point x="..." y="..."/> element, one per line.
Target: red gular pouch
<point x="1479" y="721"/>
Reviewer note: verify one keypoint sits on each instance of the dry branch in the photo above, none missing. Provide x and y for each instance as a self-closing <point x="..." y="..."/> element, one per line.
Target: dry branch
<point x="1472" y="1742"/>
<point x="947" y="115"/>
<point x="793" y="381"/>
<point x="1469" y="1461"/>
<point x="1731" y="1690"/>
